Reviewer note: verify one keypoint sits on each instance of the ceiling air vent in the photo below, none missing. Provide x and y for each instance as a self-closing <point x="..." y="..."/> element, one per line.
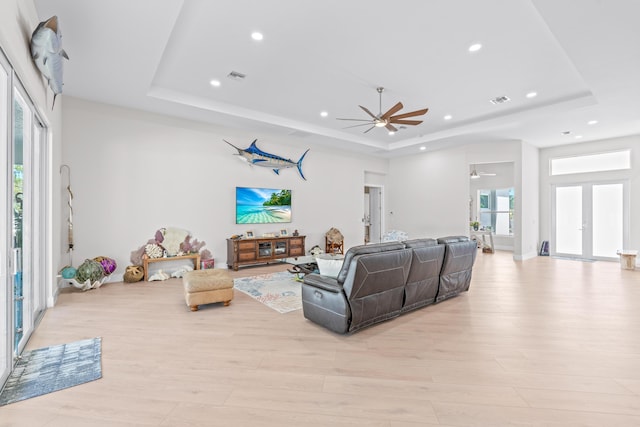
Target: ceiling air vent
<point x="499" y="100"/>
<point x="236" y="75"/>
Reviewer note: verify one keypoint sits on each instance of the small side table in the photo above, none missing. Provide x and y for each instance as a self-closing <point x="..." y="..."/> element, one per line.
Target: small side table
<point x="628" y="259"/>
<point x="486" y="247"/>
<point x="146" y="261"/>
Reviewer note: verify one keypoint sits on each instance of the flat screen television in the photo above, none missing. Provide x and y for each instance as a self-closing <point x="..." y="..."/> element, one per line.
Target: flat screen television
<point x="262" y="205"/>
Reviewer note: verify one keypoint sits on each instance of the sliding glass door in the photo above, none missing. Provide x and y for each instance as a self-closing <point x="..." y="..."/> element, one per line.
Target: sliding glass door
<point x="23" y="218"/>
<point x="29" y="203"/>
<point x="590" y="221"/>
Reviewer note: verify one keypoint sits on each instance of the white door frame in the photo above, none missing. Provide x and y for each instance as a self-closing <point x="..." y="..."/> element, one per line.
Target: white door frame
<point x="376" y="217"/>
<point x="587" y="218"/>
<point x="6" y="280"/>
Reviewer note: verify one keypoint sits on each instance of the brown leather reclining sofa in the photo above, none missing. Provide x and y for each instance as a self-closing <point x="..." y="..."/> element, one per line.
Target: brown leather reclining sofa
<point x="381" y="281"/>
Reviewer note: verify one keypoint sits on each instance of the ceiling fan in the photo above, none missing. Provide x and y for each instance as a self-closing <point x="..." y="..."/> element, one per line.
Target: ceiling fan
<point x="475" y="174"/>
<point x="387" y="120"/>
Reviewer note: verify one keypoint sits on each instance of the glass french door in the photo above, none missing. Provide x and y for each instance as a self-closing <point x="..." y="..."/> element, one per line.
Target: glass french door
<point x="20" y="122"/>
<point x="590" y="221"/>
<point x="28" y="198"/>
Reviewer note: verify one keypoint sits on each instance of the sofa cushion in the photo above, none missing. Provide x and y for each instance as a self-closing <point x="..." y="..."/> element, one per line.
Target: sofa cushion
<point x="455" y="276"/>
<point x="420" y="243"/>
<point x="363" y="250"/>
<point x="453" y="239"/>
<point x="375" y="286"/>
<point x="424" y="276"/>
<point x="329" y="265"/>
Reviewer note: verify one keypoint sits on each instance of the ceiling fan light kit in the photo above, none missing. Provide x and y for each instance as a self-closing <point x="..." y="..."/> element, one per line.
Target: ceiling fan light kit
<point x="388" y="119"/>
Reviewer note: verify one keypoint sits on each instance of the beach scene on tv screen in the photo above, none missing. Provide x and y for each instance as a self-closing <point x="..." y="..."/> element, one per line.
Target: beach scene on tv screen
<point x="262" y="205"/>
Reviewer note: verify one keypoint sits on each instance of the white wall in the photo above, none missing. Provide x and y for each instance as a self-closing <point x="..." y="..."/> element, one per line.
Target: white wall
<point x="18" y="19"/>
<point x="528" y="203"/>
<point x="633" y="176"/>
<point x="135" y="172"/>
<point x="429" y="192"/>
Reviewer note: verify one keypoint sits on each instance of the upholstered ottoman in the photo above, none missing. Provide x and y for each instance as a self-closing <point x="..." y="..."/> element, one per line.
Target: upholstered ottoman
<point x="207" y="286"/>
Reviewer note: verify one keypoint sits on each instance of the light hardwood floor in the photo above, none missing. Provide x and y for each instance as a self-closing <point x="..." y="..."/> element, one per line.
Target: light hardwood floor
<point x="544" y="342"/>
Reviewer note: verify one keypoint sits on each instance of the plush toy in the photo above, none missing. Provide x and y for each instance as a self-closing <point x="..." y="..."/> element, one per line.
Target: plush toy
<point x="316" y="250"/>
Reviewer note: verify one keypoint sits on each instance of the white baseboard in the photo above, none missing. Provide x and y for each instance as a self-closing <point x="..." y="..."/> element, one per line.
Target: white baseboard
<point x="526" y="256"/>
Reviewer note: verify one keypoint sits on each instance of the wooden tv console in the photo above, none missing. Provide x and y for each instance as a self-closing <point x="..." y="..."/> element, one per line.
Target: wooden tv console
<point x="263" y="250"/>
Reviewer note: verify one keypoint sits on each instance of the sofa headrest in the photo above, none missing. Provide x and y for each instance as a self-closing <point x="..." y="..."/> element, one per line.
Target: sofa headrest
<point x="363" y="250"/>
<point x="453" y="239"/>
<point x="420" y="243"/>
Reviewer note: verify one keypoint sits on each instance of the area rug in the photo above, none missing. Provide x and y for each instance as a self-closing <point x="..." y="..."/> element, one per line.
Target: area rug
<point x="54" y="368"/>
<point x="279" y="291"/>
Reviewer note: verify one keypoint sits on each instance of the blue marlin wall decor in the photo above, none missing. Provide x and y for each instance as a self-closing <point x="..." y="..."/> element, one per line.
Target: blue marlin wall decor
<point x="255" y="156"/>
<point x="47" y="53"/>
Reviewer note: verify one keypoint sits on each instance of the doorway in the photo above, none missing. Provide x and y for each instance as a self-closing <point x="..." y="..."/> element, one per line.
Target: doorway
<point x="590" y="221"/>
<point x="372" y="214"/>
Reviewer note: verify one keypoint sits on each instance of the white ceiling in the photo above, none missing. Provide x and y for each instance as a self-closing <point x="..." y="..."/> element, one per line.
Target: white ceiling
<point x="582" y="57"/>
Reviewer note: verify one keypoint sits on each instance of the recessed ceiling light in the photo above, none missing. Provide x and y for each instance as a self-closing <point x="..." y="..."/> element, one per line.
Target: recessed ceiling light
<point x="391" y="132"/>
<point x="532" y="94"/>
<point x="324" y="113"/>
<point x="592" y="122"/>
<point x="475" y="47"/>
<point x="214" y="83"/>
<point x="423" y="148"/>
<point x="448" y="117"/>
<point x="578" y="136"/>
<point x="257" y="36"/>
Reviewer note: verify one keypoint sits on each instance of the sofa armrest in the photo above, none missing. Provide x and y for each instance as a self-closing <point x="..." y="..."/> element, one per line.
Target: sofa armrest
<point x="323" y="282"/>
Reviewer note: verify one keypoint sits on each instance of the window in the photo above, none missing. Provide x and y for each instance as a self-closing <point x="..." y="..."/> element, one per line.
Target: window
<point x="601" y="162"/>
<point x="496" y="210"/>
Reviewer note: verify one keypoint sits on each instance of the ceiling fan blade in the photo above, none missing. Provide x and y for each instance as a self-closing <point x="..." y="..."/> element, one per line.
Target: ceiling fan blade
<point x="369" y="129"/>
<point x="391" y="128"/>
<point x="368" y="112"/>
<point x="392" y="111"/>
<point x="355" y="126"/>
<point x="405" y="122"/>
<point x="357" y="120"/>
<point x="410" y="114"/>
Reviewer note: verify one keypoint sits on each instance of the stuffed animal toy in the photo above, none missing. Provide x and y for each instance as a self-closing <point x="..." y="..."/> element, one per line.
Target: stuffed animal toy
<point x="316" y="250"/>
